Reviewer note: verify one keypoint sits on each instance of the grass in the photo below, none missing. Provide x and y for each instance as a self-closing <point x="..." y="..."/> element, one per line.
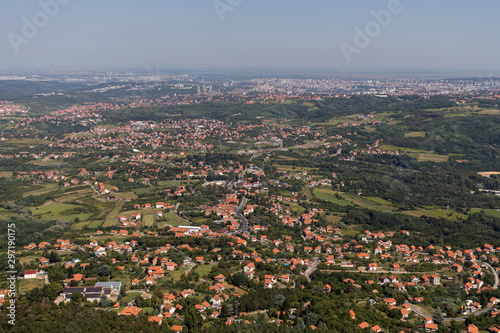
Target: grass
<point x="113" y="216"/>
<point x="350" y="232"/>
<point x="436" y="212"/>
<point x="173" y="220"/>
<point x="143" y="190"/>
<point x="293" y="168"/>
<point x="148" y="217"/>
<point x="432" y="158"/>
<point x="44" y="162"/>
<point x="53" y="208"/>
<point x="490" y="212"/>
<point x="333" y="219"/>
<point x="5" y="174"/>
<point x="380" y="201"/>
<point x="204" y="270"/>
<point x="296" y="208"/>
<point x="131" y="296"/>
<point x="382" y="205"/>
<point x="329" y="195"/>
<point x="404" y="149"/>
<point x="176" y="275"/>
<point x="374" y="203"/>
<point x="175" y="183"/>
<point x="46" y="189"/>
<point x="26" y="285"/>
<point x="420" y="134"/>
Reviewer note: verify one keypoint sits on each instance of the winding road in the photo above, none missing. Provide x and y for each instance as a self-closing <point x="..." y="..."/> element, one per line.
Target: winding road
<point x="243" y="220"/>
<point x="311" y="269"/>
<point x="476" y="313"/>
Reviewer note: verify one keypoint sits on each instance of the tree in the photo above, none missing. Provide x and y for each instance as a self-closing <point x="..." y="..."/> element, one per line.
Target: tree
<point x="52" y="290"/>
<point x="104" y="302"/>
<point x="77" y="297"/>
<point x="54" y="257"/>
<point x="437" y="317"/>
<point x="104" y="270"/>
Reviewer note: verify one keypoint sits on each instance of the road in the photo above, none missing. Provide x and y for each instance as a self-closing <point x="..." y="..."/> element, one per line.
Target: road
<point x="311" y="269"/>
<point x="243" y="220"/>
<point x="476" y="313"/>
<point x="495" y="274"/>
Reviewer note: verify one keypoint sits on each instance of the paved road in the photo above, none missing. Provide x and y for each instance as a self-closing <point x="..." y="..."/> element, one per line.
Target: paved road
<point x="243" y="220"/>
<point x="311" y="269"/>
<point x="494" y="272"/>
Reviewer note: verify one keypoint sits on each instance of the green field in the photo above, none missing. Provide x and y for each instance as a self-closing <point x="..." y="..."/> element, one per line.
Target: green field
<point x="490" y="212"/>
<point x="203" y="270"/>
<point x="113" y="216"/>
<point x="45" y="189"/>
<point x="420" y="134"/>
<point x="374" y="203"/>
<point x="296" y="208"/>
<point x="27" y="285"/>
<point x="404" y="149"/>
<point x="432" y="158"/>
<point x="436" y="212"/>
<point x="53" y="209"/>
<point x="329" y="195"/>
<point x="131" y="296"/>
<point x="173" y="220"/>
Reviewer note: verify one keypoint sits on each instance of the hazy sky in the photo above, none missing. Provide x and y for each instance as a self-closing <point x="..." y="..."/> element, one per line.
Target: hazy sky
<point x="98" y="34"/>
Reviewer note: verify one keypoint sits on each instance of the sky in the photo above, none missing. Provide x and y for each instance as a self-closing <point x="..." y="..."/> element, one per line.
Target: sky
<point x="333" y="34"/>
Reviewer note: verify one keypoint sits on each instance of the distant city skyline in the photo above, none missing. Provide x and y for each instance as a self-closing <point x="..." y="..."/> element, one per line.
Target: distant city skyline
<point x="447" y="35"/>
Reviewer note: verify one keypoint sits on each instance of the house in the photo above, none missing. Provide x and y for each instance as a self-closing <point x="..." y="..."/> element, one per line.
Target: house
<point x="30" y="274"/>
<point x="249" y="267"/>
<point x="431" y="327"/>
<point x="472" y="329"/>
<point x="155" y="319"/>
<point x="169" y="308"/>
<point x="330" y="260"/>
<point x="285" y="278"/>
<point x="216" y="301"/>
<point x="100" y="251"/>
<point x="327" y="288"/>
<point x="435" y="280"/>
<point x="219" y="278"/>
<point x="131" y="311"/>
<point x="364" y="325"/>
<point x="176" y="328"/>
<point x="390" y="301"/>
<point x="353" y="315"/>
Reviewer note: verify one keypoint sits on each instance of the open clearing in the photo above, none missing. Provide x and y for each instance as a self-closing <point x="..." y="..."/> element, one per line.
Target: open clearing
<point x="53" y="208"/>
<point x="488" y="173"/>
<point x="374" y="203"/>
<point x="432" y="158"/>
<point x="46" y="189"/>
<point x="204" y="270"/>
<point x="173" y="220"/>
<point x="420" y="134"/>
<point x="26" y="285"/>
